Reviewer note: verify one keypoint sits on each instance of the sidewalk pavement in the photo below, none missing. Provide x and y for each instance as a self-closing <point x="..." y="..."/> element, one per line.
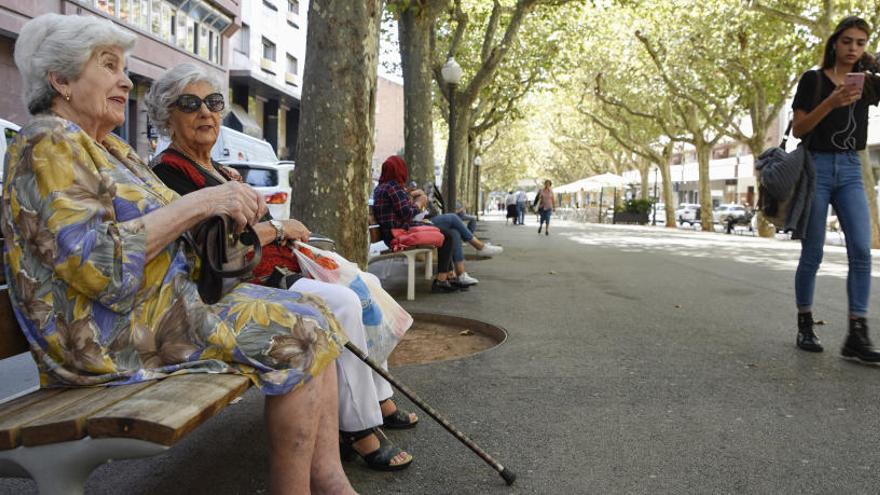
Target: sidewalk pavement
<point x="638" y="360"/>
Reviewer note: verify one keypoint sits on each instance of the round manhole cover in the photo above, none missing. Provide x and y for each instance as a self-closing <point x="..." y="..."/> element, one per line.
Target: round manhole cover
<point x="435" y="337"/>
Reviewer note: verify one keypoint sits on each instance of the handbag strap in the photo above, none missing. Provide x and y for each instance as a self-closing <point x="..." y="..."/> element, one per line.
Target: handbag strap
<point x="816" y="96"/>
<point x="208" y="256"/>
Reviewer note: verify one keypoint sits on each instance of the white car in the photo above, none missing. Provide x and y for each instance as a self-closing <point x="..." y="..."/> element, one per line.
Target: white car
<point x="659" y="213"/>
<point x="687" y="213"/>
<point x="738" y="213"/>
<point x="271" y="179"/>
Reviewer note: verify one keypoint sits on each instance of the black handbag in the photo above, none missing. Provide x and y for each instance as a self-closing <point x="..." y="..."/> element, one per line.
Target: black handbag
<point x="222" y="255"/>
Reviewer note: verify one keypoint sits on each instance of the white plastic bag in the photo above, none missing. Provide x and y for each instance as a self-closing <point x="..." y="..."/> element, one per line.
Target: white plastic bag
<point x="385" y="321"/>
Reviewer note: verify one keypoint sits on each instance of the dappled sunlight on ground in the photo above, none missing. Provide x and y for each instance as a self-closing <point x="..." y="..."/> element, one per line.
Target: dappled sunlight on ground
<point x="774" y="254"/>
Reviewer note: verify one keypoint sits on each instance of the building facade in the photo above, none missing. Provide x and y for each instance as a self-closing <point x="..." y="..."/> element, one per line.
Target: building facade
<point x="388" y="134"/>
<point x="169" y="32"/>
<point x="265" y="77"/>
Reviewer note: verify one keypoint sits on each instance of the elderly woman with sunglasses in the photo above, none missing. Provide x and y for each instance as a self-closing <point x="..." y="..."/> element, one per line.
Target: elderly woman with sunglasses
<point x="186" y="104"/>
<point x="101" y="283"/>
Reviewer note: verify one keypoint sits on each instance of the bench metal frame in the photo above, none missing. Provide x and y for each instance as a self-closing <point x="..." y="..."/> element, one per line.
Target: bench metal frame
<point x="63" y="468"/>
<point x="410" y="255"/>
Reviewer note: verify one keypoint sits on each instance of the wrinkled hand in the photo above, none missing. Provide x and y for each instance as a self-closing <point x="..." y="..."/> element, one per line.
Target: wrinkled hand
<point x="844" y="95"/>
<point x="238" y="201"/>
<point x="421" y="201"/>
<point x="294" y="230"/>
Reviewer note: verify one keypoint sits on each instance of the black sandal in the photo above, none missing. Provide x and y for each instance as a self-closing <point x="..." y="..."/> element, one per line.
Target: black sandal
<point x="379" y="459"/>
<point x="398" y="420"/>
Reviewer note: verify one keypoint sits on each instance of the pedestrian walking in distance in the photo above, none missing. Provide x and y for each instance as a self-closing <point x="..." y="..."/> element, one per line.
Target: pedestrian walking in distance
<point x="546" y="203"/>
<point x="835" y="125"/>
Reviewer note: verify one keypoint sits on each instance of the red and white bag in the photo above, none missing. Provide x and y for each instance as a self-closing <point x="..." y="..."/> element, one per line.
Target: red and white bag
<point x="417" y="236"/>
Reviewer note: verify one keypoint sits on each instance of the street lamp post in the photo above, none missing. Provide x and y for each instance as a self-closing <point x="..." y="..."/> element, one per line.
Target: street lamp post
<point x="478" y="193"/>
<point x="654" y="222"/>
<point x="451" y="73"/>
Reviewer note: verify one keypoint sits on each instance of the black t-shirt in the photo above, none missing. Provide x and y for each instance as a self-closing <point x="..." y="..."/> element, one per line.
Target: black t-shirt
<point x="839" y="130"/>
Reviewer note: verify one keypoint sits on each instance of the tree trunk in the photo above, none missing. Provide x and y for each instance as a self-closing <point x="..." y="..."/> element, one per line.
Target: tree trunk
<point x="871" y="195"/>
<point x="414" y="33"/>
<point x="332" y="175"/>
<point x="644" y="170"/>
<point x="704" y="152"/>
<point x="459" y="138"/>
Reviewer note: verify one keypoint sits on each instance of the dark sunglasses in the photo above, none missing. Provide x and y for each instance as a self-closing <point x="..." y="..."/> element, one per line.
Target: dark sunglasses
<point x="187" y="103"/>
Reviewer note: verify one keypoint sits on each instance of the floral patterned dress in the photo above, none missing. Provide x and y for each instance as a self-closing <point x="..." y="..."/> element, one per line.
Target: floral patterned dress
<point x="96" y="312"/>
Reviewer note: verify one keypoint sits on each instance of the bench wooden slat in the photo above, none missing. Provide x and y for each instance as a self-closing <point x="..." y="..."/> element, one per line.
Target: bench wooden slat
<point x="11" y="424"/>
<point x="12" y="341"/>
<point x="69" y="423"/>
<point x="164" y="413"/>
<point x="26" y="400"/>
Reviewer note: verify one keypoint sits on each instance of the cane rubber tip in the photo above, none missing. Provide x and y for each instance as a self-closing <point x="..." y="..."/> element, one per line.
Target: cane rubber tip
<point x="508" y="475"/>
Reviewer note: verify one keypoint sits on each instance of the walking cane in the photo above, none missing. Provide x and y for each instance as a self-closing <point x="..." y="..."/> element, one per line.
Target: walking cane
<point x="507" y="474"/>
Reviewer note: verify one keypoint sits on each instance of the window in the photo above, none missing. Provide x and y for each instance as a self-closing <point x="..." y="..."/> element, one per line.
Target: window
<point x="107" y="6"/>
<point x="269" y="5"/>
<point x="141" y="14"/>
<point x="203" y="48"/>
<point x="125" y="10"/>
<point x="156" y="17"/>
<point x="293" y="6"/>
<point x="167" y="22"/>
<point x="244" y="40"/>
<point x="257" y="177"/>
<point x="180" y="29"/>
<point x="268" y="50"/>
<point x="292" y="64"/>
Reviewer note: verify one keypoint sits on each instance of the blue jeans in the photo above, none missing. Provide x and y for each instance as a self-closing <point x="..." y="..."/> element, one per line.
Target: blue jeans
<point x="451" y="222"/>
<point x="545" y="216"/>
<point x="520" y="212"/>
<point x="470" y="219"/>
<point x="838" y="182"/>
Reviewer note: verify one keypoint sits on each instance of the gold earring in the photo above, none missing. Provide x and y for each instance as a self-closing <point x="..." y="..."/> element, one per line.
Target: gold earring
<point x="67" y="97"/>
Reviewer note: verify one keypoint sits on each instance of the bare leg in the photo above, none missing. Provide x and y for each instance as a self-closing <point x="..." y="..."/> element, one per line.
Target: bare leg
<point x="293" y="422"/>
<point x="476" y="243"/>
<point x="459" y="269"/>
<point x="326" y="470"/>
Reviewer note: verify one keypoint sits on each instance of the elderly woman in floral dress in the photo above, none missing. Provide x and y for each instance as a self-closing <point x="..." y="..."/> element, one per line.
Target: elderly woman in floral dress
<point x="101" y="283"/>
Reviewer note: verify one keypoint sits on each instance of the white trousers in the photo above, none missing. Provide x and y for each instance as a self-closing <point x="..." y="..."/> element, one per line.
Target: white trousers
<point x="360" y="388"/>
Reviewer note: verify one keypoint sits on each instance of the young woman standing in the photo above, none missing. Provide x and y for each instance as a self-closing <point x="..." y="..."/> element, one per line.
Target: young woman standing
<point x="836" y="124"/>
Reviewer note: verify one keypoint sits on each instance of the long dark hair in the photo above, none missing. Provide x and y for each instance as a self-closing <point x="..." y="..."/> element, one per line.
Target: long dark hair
<point x="829" y="57"/>
<point x="866" y="63"/>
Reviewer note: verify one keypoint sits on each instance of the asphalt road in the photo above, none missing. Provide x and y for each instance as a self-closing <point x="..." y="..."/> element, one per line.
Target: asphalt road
<point x="639" y="360"/>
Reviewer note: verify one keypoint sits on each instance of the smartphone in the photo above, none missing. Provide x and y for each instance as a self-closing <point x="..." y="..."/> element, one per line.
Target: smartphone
<point x="855" y="80"/>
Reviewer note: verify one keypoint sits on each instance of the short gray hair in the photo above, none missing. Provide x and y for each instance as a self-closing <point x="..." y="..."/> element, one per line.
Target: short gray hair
<point x="169" y="87"/>
<point x="61" y="44"/>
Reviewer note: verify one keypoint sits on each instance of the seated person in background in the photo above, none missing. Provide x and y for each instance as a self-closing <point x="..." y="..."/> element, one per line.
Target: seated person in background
<point x="470" y="220"/>
<point x="101" y="282"/>
<point x="397" y="208"/>
<point x="186" y="104"/>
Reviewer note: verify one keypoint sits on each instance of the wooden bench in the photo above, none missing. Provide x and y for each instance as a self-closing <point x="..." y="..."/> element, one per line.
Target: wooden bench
<point x="410" y="254"/>
<point x="58" y="436"/>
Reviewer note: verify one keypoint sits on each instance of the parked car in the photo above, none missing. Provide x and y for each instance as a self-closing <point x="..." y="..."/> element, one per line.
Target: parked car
<point x="234" y="147"/>
<point x="273" y="180"/>
<point x="659" y="213"/>
<point x="738" y="213"/>
<point x="688" y="213"/>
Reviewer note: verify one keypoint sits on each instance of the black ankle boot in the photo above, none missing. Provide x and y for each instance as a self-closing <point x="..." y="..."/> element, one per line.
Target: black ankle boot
<point x="858" y="344"/>
<point x="806" y="336"/>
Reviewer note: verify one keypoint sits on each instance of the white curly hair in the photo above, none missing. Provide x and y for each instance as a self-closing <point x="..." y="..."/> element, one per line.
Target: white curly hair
<point x="61" y="44"/>
<point x="169" y="87"/>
